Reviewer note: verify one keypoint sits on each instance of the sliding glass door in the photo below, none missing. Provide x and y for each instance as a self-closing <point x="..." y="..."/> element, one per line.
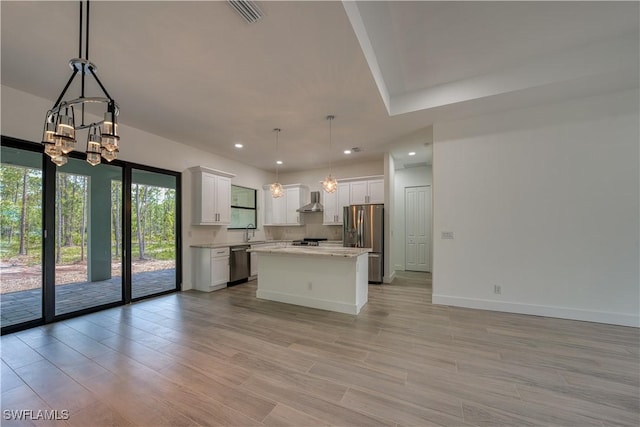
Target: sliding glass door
<point x="153" y="233"/>
<point x="20" y="236"/>
<point x="80" y="238"/>
<point x="87" y="266"/>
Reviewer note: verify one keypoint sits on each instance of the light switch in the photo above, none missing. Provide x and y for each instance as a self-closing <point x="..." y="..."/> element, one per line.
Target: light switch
<point x="447" y="235"/>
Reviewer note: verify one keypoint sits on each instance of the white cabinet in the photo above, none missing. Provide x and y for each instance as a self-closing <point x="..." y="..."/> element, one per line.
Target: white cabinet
<point x="334" y="203"/>
<point x="211" y="196"/>
<point x="376" y="191"/>
<point x="295" y="198"/>
<point x="282" y="211"/>
<point x="210" y="268"/>
<point x="367" y="191"/>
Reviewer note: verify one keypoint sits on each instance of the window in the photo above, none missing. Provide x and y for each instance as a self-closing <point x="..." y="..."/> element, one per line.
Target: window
<point x="243" y="208"/>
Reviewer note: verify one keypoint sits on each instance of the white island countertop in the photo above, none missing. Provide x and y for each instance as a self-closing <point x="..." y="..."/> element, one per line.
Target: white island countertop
<point x="324" y="251"/>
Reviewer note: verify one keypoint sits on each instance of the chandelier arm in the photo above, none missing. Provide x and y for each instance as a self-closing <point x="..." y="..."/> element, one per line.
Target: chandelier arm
<point x="90" y="68"/>
<point x="65" y="89"/>
<point x="86" y="36"/>
<point x="87" y="100"/>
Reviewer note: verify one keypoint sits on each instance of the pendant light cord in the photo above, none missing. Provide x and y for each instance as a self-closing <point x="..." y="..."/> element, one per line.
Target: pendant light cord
<point x="330" y="118"/>
<point x="277" y="131"/>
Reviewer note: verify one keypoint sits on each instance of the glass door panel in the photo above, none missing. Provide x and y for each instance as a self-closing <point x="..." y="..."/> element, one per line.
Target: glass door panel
<point x="87" y="274"/>
<point x="20" y="236"/>
<point x="153" y="233"/>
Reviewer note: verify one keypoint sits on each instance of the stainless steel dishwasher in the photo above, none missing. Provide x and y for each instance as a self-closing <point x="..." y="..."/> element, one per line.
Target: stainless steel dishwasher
<point x="239" y="264"/>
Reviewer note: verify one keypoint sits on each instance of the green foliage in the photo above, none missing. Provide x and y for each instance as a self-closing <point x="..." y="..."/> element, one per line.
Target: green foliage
<point x="154" y="232"/>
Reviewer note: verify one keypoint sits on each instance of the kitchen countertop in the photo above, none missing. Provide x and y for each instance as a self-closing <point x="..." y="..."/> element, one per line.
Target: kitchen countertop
<point x="226" y="245"/>
<point x="330" y="251"/>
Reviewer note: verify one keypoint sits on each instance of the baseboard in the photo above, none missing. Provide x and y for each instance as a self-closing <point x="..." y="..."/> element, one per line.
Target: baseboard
<point x="340" y="307"/>
<point x="389" y="278"/>
<point x="541" y="310"/>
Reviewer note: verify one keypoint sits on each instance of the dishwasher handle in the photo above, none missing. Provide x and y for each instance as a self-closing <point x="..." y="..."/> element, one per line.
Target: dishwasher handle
<point x="239" y="249"/>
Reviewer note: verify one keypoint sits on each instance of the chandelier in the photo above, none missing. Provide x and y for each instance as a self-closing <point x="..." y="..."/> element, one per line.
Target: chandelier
<point x="61" y="125"/>
<point x="276" y="187"/>
<point x="329" y="184"/>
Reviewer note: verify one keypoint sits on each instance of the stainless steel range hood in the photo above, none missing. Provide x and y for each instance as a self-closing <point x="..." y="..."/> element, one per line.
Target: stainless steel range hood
<point x="314" y="206"/>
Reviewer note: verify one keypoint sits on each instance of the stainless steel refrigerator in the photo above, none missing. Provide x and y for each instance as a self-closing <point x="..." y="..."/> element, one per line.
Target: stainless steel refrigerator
<point x="363" y="227"/>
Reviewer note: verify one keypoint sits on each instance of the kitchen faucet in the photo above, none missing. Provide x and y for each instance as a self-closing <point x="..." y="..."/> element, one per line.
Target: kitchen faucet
<point x="246" y="231"/>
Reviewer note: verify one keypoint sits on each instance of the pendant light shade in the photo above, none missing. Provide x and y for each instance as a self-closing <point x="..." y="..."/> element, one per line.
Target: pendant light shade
<point x="276" y="188"/>
<point x="329" y="183"/>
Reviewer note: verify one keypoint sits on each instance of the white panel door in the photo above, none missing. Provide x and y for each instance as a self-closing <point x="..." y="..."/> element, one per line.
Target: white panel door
<point x="418" y="228"/>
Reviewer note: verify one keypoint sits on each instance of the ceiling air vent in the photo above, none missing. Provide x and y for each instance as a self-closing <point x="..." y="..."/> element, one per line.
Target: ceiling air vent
<point x="247" y="9"/>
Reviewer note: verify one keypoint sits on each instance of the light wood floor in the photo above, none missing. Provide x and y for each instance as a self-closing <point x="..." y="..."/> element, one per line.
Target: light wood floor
<point x="226" y="358"/>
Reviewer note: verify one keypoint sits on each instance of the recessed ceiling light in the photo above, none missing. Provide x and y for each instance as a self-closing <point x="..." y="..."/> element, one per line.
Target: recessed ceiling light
<point x="279" y="162"/>
<point x="238" y="145"/>
<point x="347" y="151"/>
<point x="413" y="153"/>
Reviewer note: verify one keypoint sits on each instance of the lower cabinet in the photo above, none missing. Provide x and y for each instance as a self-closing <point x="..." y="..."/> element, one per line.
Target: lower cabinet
<point x="210" y="268"/>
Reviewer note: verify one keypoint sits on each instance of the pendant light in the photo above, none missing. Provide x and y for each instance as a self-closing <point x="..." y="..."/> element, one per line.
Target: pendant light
<point x="329" y="184"/>
<point x="276" y="187"/>
<point x="61" y="126"/>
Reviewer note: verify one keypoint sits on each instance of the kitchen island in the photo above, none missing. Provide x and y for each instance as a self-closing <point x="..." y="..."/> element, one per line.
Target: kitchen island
<point x="324" y="277"/>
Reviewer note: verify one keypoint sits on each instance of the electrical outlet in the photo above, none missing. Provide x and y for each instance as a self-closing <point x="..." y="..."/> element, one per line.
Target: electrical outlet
<point x="497" y="289"/>
<point x="310" y="286"/>
<point x="447" y="235"/>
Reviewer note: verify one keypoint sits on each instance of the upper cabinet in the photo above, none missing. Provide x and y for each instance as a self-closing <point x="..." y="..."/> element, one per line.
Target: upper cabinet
<point x="364" y="191"/>
<point x="282" y="211"/>
<point x="351" y="191"/>
<point x="334" y="203"/>
<point x="211" y="196"/>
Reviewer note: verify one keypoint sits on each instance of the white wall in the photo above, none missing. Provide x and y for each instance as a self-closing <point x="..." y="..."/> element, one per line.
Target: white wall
<point x="410" y="177"/>
<point x="389" y="197"/>
<point x="23" y="117"/>
<point x="544" y="202"/>
<point x="313" y="177"/>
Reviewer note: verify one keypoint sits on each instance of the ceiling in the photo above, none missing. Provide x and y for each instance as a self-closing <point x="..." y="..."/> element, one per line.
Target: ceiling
<point x="196" y="73"/>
